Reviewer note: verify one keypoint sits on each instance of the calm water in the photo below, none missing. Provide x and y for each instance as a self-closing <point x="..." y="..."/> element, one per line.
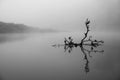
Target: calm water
<point x="31" y="57"/>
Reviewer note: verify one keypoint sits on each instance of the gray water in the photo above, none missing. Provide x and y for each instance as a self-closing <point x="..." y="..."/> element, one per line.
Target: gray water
<point x="32" y="57"/>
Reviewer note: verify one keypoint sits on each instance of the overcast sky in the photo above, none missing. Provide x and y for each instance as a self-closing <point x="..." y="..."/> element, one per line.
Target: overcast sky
<point x="62" y="14"/>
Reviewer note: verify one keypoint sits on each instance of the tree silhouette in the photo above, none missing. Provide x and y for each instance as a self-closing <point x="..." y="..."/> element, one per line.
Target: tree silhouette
<point x="85" y="41"/>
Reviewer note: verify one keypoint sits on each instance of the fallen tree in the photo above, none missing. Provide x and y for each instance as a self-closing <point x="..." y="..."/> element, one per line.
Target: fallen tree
<point x="69" y="44"/>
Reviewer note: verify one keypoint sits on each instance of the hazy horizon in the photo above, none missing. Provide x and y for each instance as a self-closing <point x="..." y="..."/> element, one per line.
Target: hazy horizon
<point x="63" y="14"/>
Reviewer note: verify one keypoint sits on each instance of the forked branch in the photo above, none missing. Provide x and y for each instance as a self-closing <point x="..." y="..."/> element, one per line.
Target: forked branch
<point x="93" y="44"/>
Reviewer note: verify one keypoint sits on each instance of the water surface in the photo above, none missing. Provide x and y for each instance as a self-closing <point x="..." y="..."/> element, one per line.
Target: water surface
<point x="32" y="57"/>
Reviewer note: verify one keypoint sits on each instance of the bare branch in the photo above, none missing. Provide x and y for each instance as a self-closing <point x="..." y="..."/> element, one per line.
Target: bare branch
<point x="93" y="44"/>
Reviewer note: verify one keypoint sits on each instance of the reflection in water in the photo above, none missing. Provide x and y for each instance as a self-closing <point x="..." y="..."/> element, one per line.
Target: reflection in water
<point x="85" y="42"/>
<point x="86" y="52"/>
<point x="11" y="37"/>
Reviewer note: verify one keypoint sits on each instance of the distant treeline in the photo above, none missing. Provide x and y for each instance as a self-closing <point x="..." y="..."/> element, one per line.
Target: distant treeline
<point x="20" y="28"/>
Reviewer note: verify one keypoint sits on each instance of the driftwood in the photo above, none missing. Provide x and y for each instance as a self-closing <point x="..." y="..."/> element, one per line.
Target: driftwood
<point x="85" y="41"/>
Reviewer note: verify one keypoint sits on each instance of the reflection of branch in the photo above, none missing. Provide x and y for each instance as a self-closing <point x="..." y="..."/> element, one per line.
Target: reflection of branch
<point x="86" y="52"/>
<point x="69" y="45"/>
<point x="86" y="58"/>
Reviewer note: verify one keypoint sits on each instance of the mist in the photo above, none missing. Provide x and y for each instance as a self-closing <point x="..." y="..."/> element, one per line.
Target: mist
<point x="63" y="14"/>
